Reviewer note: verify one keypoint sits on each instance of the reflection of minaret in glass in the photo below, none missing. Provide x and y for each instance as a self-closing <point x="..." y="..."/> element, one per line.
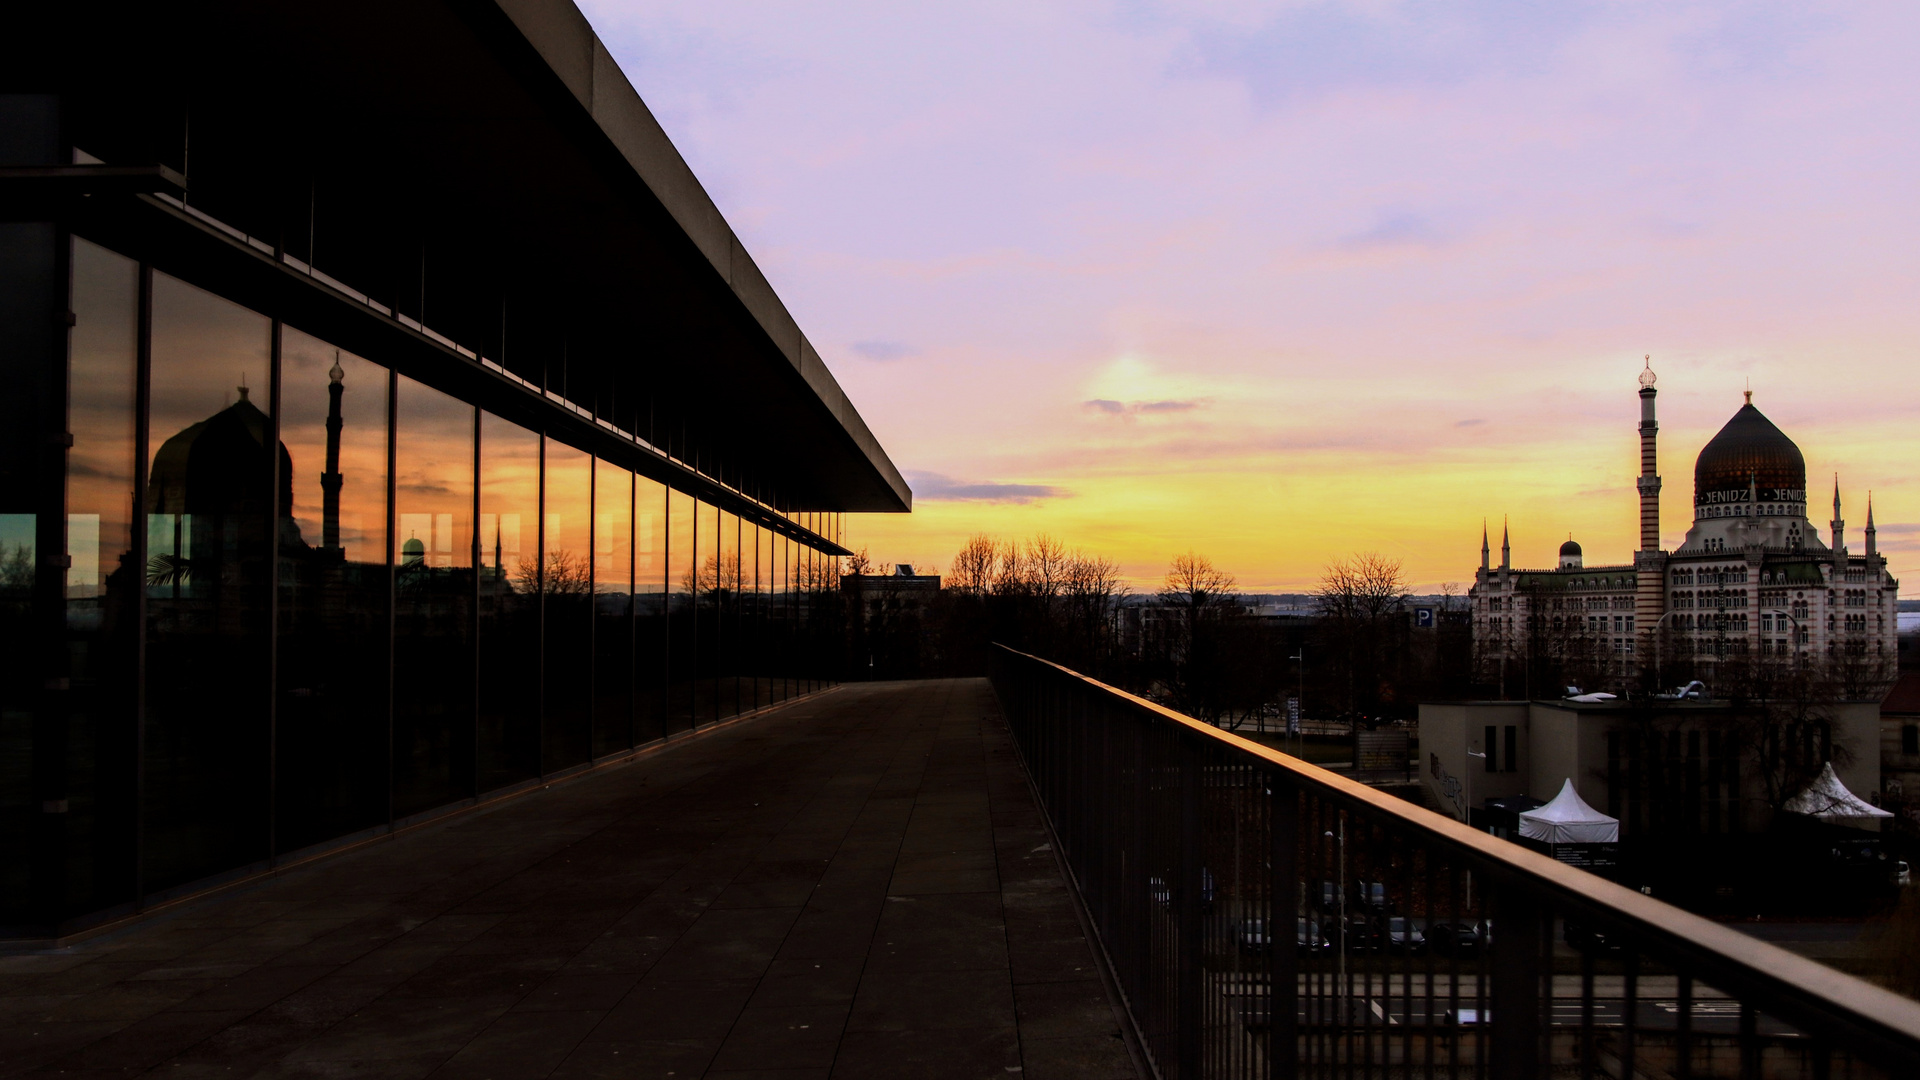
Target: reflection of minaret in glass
<point x="330" y="480"/>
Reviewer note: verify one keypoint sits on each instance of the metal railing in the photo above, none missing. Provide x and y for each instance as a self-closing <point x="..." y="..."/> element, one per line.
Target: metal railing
<point x="1266" y="918"/>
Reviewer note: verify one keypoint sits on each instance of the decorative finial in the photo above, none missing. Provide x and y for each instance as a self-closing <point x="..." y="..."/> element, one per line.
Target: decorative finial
<point x="1749" y="390"/>
<point x="335" y="375"/>
<point x="243" y="386"/>
<point x="1647" y="377"/>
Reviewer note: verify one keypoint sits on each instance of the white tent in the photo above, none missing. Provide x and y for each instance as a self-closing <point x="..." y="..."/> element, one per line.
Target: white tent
<point x="1569" y="820"/>
<point x="1829" y="800"/>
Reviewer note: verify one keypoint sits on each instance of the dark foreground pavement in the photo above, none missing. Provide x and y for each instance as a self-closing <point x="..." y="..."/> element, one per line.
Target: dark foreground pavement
<point x="855" y="886"/>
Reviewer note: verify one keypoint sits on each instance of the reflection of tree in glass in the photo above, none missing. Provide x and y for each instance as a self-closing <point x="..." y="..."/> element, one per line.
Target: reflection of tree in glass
<point x="713" y="577"/>
<point x="165" y="569"/>
<point x="16" y="568"/>
<point x="567" y="574"/>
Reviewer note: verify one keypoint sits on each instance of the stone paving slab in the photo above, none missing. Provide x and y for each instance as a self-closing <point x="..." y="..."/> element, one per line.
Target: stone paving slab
<point x="858" y="885"/>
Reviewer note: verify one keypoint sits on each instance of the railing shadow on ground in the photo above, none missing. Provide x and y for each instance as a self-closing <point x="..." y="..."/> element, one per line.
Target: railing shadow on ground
<point x="1263" y="917"/>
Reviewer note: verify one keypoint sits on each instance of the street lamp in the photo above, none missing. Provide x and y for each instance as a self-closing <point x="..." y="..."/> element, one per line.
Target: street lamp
<point x="1472" y="754"/>
<point x="1345" y="990"/>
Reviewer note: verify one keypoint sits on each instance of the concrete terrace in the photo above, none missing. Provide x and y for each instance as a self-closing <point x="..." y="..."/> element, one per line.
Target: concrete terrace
<point x="857" y="885"/>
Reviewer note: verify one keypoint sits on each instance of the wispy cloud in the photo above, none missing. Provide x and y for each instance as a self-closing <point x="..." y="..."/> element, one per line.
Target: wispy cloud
<point x="934" y="487"/>
<point x="1474" y="422"/>
<point x="1137" y="408"/>
<point x="883" y="350"/>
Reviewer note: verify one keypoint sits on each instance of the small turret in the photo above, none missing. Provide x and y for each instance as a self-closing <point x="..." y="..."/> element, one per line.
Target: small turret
<point x="1506" y="548"/>
<point x="1872" y="548"/>
<point x="1839" y="524"/>
<point x="1486" y="552"/>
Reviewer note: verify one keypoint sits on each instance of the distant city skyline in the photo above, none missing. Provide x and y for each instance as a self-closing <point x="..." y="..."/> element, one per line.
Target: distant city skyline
<point x="1279" y="283"/>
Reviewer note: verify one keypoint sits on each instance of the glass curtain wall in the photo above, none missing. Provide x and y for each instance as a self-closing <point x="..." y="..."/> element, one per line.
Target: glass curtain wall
<point x="331" y="684"/>
<point x="509" y="603"/>
<point x="650" y="609"/>
<point x="339" y="597"/>
<point x="103" y="582"/>
<point x="566" y="588"/>
<point x="613" y="608"/>
<point x="434" y="581"/>
<point x="212" y="517"/>
<point x="683" y="581"/>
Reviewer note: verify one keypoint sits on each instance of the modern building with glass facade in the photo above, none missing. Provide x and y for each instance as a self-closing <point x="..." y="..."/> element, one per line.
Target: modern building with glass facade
<point x="393" y="422"/>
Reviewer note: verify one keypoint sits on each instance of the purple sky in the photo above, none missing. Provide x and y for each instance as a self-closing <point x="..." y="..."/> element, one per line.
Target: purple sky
<point x="1279" y="282"/>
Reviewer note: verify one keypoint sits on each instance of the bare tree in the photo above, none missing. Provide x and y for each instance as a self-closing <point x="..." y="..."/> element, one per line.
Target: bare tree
<point x="1046" y="567"/>
<point x="973" y="565"/>
<point x="567" y="575"/>
<point x="1359" y="600"/>
<point x="859" y="563"/>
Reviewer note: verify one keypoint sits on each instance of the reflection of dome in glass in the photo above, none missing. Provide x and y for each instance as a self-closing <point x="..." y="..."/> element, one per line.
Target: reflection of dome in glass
<point x="1569" y="548"/>
<point x="219" y="466"/>
<point x="413" y="551"/>
<point x="1749" y="449"/>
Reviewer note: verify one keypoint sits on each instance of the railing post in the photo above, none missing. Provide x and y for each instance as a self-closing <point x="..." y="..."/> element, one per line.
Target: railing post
<point x="1516" y="940"/>
<point x="1191" y="923"/>
<point x="1283" y="962"/>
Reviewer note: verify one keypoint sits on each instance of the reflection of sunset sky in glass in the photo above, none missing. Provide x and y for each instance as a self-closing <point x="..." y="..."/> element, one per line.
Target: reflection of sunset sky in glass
<point x="304" y="364"/>
<point x="1283" y="281"/>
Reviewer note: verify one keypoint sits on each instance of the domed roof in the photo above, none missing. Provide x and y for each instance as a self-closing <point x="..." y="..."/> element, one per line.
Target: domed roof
<point x="1750" y="449"/>
<point x="1569" y="548"/>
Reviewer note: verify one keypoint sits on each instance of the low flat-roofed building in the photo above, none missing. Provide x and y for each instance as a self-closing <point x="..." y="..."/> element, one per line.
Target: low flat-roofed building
<point x="393" y="422"/>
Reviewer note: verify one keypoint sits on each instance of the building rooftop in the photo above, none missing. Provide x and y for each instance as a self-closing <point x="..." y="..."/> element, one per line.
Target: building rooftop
<point x="859" y="882"/>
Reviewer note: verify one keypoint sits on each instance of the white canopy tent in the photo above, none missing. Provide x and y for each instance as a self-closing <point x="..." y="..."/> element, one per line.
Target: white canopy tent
<point x="1829" y="800"/>
<point x="1569" y="820"/>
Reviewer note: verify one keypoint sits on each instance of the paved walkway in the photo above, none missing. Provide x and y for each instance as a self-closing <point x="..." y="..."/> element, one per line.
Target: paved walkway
<point x="855" y="886"/>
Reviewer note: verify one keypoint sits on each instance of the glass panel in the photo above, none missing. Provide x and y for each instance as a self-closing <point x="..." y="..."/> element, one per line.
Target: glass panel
<point x="683" y="644"/>
<point x="706" y="632"/>
<point x="779" y="624"/>
<point x="753" y="692"/>
<point x="612" y="608"/>
<point x="332" y="679"/>
<point x="433" y="702"/>
<point x="727" y="597"/>
<point x="509" y="603"/>
<point x="103" y="583"/>
<point x="210" y="525"/>
<point x="568" y="587"/>
<point x="650" y="604"/>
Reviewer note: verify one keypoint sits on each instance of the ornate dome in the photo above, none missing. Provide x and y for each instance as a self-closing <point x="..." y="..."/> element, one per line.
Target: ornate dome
<point x="1569" y="548"/>
<point x="1749" y="449"/>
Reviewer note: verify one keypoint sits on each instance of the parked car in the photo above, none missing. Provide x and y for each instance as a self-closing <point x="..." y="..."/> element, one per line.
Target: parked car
<point x="1326" y="895"/>
<point x="1306" y="937"/>
<point x="1163" y="895"/>
<point x="1587" y="939"/>
<point x="1406" y="935"/>
<point x="1370" y="895"/>
<point x="1362" y="935"/>
<point x="1453" y="939"/>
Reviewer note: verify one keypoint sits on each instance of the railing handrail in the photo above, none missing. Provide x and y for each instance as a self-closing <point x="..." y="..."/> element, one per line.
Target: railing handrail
<point x="1800" y="991"/>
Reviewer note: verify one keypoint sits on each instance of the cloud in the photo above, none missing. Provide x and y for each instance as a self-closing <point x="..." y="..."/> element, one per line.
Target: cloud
<point x="1475" y="422"/>
<point x="883" y="351"/>
<point x="1398" y="229"/>
<point x="935" y="487"/>
<point x="1897" y="529"/>
<point x="1135" y="408"/>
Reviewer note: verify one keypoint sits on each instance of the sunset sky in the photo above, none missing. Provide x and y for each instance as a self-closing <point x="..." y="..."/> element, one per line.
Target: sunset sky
<point x="1282" y="282"/>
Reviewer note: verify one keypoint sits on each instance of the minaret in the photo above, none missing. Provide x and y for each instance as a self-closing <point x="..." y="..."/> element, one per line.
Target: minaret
<point x="1839" y="525"/>
<point x="1649" y="563"/>
<point x="1486" y="553"/>
<point x="330" y="480"/>
<point x="1506" y="549"/>
<point x="1872" y="548"/>
<point x="1649" y="463"/>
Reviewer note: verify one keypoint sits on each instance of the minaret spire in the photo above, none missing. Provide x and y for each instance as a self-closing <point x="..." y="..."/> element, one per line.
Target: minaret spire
<point x="1872" y="548"/>
<point x="1506" y="548"/>
<point x="1839" y="525"/>
<point x="330" y="480"/>
<point x="1486" y="552"/>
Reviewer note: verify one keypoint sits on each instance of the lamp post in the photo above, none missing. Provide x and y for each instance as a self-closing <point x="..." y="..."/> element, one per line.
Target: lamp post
<point x="1469" y="770"/>
<point x="1345" y="990"/>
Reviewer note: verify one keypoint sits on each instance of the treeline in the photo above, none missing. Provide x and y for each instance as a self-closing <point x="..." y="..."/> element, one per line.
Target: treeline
<point x="1192" y="643"/>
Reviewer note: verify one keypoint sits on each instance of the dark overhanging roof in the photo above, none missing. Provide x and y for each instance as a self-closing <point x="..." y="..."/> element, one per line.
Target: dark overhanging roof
<point x="484" y="168"/>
